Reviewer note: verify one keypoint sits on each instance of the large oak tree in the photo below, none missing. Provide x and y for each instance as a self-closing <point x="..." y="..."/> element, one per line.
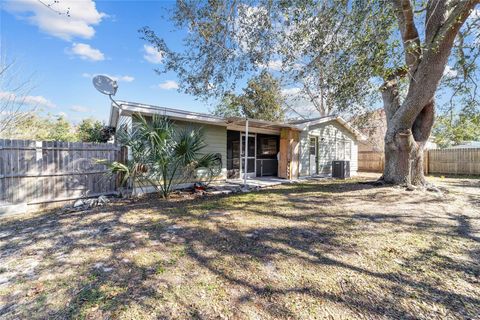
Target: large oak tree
<point x="339" y="49"/>
<point x="410" y="120"/>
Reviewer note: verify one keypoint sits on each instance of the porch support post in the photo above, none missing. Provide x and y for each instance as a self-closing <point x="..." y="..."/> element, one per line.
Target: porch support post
<point x="245" y="155"/>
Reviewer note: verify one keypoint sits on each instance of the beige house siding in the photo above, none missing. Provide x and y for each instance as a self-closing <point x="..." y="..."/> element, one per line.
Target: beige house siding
<point x="215" y="138"/>
<point x="329" y="135"/>
<point x="216" y="142"/>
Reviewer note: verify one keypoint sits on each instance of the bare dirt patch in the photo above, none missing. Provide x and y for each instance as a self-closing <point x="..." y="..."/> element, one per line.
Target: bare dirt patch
<point x="322" y="249"/>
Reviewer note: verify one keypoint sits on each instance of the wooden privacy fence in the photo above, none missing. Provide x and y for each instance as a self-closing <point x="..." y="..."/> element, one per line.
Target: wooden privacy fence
<point x="370" y="161"/>
<point x="454" y="161"/>
<point x="442" y="161"/>
<point x="41" y="173"/>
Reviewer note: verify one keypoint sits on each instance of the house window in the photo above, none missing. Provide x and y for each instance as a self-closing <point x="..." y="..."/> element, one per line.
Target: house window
<point x="313" y="147"/>
<point x="344" y="150"/>
<point x="340" y="150"/>
<point x="268" y="146"/>
<point x="348" y="150"/>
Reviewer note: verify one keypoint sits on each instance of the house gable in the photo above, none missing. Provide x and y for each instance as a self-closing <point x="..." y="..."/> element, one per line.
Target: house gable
<point x="331" y="136"/>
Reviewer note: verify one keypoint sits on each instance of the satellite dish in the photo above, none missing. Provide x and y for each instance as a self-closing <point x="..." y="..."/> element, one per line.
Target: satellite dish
<point x="105" y="85"/>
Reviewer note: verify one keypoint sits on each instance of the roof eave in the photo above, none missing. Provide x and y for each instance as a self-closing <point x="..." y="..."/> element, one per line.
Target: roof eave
<point x="129" y="108"/>
<point x="355" y="132"/>
<point x="262" y="123"/>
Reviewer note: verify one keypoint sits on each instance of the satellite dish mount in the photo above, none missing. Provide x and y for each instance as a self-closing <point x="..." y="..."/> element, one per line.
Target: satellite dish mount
<point x="106" y="86"/>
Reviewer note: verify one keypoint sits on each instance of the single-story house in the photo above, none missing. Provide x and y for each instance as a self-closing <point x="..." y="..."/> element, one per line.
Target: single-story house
<point x="287" y="150"/>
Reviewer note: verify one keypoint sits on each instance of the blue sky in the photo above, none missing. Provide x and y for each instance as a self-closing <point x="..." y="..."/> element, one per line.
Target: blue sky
<point x="99" y="37"/>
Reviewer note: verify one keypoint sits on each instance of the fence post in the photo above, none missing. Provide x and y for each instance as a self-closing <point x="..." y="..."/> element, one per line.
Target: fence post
<point x="426" y="161"/>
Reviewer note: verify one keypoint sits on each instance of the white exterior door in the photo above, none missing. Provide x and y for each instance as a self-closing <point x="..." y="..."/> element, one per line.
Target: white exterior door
<point x="313" y="155"/>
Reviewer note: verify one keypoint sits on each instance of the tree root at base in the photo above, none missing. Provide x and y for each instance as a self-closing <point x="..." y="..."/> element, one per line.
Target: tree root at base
<point x="408" y="186"/>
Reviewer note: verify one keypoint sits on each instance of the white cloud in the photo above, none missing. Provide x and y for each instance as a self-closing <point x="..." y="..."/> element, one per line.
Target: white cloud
<point x="275" y="65"/>
<point x="39" y="100"/>
<point x="64" y="19"/>
<point x="475" y="14"/>
<point x="30" y="100"/>
<point x="449" y="72"/>
<point x="85" y="52"/>
<point x="124" y="78"/>
<point x="168" y="85"/>
<point x="152" y="55"/>
<point x="7" y="96"/>
<point x="62" y="114"/>
<point x="78" y="108"/>
<point x="291" y="91"/>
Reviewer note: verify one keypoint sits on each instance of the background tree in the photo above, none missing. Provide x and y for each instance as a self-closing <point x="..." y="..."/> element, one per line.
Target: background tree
<point x="60" y="129"/>
<point x="228" y="106"/>
<point x="92" y="130"/>
<point x="14" y="90"/>
<point x="330" y="52"/>
<point x="454" y="128"/>
<point x="42" y="128"/>
<point x="403" y="44"/>
<point x="261" y="99"/>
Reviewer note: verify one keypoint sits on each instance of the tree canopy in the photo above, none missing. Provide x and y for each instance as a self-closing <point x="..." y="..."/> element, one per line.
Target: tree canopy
<point x="31" y="126"/>
<point x="92" y="130"/>
<point x="46" y="128"/>
<point x="328" y="52"/>
<point x="261" y="99"/>
<point x="335" y="54"/>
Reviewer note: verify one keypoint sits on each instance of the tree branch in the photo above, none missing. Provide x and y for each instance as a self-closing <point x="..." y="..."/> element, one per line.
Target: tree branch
<point x="447" y="27"/>
<point x="409" y="32"/>
<point x="391" y="98"/>
<point x="432" y="64"/>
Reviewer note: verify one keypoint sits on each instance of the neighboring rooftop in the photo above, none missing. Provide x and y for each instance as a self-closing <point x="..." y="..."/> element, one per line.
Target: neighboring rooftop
<point x="467" y="144"/>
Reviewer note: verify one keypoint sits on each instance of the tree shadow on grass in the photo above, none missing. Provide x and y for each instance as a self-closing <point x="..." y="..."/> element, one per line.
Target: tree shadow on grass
<point x="250" y="257"/>
<point x="300" y="248"/>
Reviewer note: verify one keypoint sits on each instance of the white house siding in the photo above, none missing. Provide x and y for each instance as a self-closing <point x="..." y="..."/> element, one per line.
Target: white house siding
<point x="331" y="132"/>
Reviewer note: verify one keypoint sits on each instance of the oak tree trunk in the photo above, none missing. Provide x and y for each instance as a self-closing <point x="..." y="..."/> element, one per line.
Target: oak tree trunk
<point x="405" y="140"/>
<point x="404" y="160"/>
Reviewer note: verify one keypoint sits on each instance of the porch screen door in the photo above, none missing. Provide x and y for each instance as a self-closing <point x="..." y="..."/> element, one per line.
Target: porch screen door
<point x="252" y="154"/>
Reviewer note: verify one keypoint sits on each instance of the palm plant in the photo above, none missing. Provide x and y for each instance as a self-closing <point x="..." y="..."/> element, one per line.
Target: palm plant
<point x="163" y="155"/>
<point x="133" y="172"/>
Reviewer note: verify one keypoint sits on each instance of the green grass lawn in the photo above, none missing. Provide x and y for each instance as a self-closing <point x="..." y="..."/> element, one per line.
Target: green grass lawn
<point x="322" y="249"/>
